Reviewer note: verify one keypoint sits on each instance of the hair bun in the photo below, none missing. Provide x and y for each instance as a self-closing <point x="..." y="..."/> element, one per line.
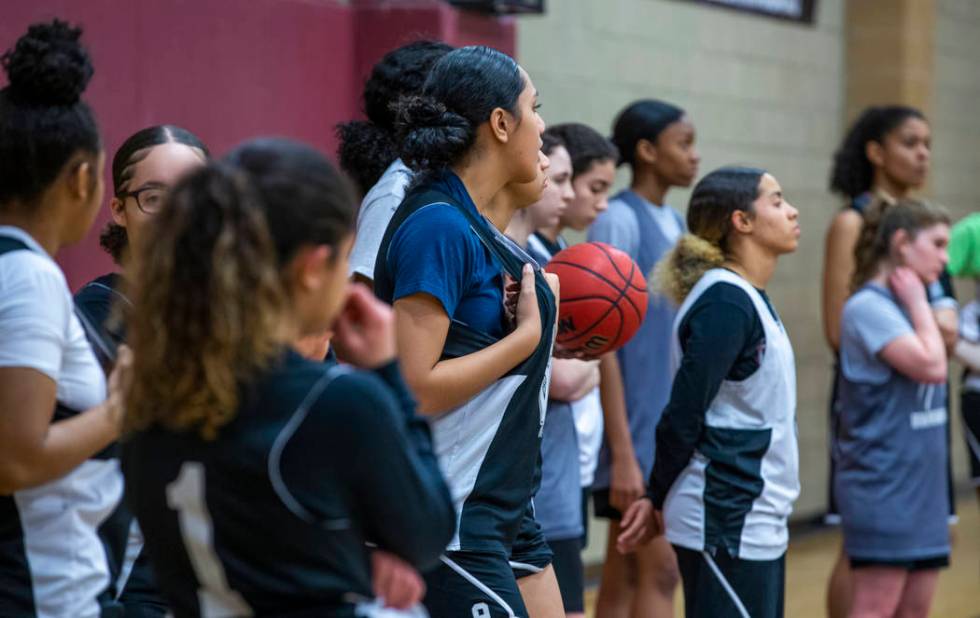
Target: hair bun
<point x="48" y="65"/>
<point x="432" y="136"/>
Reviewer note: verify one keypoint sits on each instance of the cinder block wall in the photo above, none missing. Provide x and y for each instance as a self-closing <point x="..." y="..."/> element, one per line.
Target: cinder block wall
<point x="773" y="94"/>
<point x="760" y="91"/>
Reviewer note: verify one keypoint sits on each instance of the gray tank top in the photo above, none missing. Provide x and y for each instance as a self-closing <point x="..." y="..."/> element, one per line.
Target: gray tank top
<point x="891" y="442"/>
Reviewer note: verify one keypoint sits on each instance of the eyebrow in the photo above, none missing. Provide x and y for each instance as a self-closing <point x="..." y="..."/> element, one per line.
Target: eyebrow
<point x="150" y="184"/>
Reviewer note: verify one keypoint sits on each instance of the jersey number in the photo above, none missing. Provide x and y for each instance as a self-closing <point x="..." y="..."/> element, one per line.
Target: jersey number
<point x="186" y="496"/>
<point x="481" y="610"/>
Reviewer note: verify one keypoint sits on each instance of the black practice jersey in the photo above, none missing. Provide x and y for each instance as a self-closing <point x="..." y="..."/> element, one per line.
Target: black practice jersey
<point x="271" y="518"/>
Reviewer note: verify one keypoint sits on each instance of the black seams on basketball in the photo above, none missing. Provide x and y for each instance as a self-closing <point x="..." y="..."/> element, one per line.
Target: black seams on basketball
<point x="603" y="298"/>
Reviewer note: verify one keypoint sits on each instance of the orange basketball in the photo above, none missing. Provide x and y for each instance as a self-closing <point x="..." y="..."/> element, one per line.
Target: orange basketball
<point x="603" y="297"/>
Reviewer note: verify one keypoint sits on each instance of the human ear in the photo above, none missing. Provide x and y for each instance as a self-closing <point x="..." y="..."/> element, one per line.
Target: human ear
<point x="875" y="153"/>
<point x="81" y="180"/>
<point x="741" y="222"/>
<point x="646" y="152"/>
<point x="310" y="266"/>
<point x="499" y="124"/>
<point x="117" y="207"/>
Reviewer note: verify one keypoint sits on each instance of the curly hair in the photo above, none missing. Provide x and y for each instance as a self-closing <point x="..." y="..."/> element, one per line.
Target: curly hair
<point x="709" y="219"/>
<point x="210" y="296"/>
<point x="43" y="121"/>
<point x="881" y="220"/>
<point x="852" y="173"/>
<point x="368" y="147"/>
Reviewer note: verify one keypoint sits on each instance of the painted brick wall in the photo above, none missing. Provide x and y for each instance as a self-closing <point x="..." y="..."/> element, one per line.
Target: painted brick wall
<point x="760" y="91"/>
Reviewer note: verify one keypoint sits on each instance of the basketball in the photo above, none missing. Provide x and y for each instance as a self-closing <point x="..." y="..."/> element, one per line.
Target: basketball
<point x="603" y="298"/>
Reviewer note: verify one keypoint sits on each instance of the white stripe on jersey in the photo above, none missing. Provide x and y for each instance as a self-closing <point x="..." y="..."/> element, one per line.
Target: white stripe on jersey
<point x="60" y="520"/>
<point x="461" y="439"/>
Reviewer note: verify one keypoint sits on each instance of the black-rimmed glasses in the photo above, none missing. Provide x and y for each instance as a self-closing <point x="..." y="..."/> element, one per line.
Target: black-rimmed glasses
<point x="148" y="199"/>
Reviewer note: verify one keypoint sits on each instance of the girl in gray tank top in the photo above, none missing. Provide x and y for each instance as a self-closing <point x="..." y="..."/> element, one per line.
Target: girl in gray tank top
<point x="890" y="446"/>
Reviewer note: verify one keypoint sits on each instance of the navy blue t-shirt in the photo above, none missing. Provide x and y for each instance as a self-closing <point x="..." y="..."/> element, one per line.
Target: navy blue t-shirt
<point x="434" y="251"/>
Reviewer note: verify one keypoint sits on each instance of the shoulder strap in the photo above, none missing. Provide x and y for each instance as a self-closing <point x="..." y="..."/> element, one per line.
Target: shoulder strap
<point x="8" y="244"/>
<point x="414" y="200"/>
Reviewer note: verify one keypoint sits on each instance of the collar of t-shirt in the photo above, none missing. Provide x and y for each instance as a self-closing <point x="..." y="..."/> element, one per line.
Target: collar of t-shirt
<point x="450" y="184"/>
<point x="664" y="219"/>
<point x="21" y="235"/>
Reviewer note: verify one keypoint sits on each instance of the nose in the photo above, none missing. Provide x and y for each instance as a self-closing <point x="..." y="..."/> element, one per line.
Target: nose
<point x="568" y="194"/>
<point x="545" y="162"/>
<point x="695" y="156"/>
<point x="794" y="212"/>
<point x="602" y="205"/>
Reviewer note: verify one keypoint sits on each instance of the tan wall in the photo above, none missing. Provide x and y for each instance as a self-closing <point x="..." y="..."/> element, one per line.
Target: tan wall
<point x="955" y="180"/>
<point x="777" y="95"/>
<point x="760" y="91"/>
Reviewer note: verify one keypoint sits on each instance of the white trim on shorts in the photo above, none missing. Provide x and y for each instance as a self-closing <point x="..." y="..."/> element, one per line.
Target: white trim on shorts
<point x="479" y="585"/>
<point x="724" y="584"/>
<point x="523" y="566"/>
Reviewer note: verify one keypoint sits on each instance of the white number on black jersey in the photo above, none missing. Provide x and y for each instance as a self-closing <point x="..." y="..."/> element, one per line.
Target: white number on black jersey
<point x="186" y="496"/>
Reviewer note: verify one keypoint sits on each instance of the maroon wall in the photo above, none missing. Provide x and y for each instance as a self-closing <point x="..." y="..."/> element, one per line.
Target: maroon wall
<point x="229" y="70"/>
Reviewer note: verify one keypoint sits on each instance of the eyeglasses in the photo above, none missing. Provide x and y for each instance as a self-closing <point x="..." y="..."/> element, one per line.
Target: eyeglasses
<point x="148" y="199"/>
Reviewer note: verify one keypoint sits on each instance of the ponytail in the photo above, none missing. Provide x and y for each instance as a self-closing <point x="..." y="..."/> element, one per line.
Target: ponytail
<point x="709" y="218"/>
<point x="368" y="147"/>
<point x="437" y="128"/>
<point x="680" y="270"/>
<point x="210" y="306"/>
<point x="211" y="299"/>
<point x="881" y="220"/>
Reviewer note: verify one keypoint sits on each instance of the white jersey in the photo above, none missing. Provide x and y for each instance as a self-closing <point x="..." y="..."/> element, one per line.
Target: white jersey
<point x="754" y="419"/>
<point x="53" y="560"/>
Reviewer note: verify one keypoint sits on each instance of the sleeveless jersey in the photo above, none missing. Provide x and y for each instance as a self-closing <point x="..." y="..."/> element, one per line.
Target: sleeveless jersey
<point x="488" y="447"/>
<point x="738" y="490"/>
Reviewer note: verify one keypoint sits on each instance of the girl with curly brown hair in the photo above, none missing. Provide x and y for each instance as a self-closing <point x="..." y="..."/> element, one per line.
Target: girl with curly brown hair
<point x="244" y="461"/>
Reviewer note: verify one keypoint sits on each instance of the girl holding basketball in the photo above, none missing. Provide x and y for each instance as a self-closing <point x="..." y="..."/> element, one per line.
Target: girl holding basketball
<point x="725" y="474"/>
<point x="480" y="377"/>
<point x="249" y="256"/>
<point x="573" y="433"/>
<point x="558" y="500"/>
<point x="656" y="139"/>
<point x="891" y="440"/>
<point x="885" y="156"/>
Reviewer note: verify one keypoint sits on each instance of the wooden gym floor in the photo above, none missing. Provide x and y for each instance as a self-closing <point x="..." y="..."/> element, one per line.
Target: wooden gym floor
<point x="811" y="557"/>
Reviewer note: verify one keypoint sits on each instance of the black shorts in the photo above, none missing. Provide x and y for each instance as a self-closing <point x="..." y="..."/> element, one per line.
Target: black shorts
<point x="570" y="573"/>
<point x="586" y="492"/>
<point x="832" y="517"/>
<point x="922" y="564"/>
<point x="720" y="586"/>
<point x="970" y="408"/>
<point x="473" y="584"/>
<point x="600" y="501"/>
<point x="530" y="552"/>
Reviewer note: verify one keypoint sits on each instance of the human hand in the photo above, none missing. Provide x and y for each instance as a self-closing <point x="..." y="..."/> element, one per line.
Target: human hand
<point x="364" y="333"/>
<point x="640" y="524"/>
<point x="395" y="581"/>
